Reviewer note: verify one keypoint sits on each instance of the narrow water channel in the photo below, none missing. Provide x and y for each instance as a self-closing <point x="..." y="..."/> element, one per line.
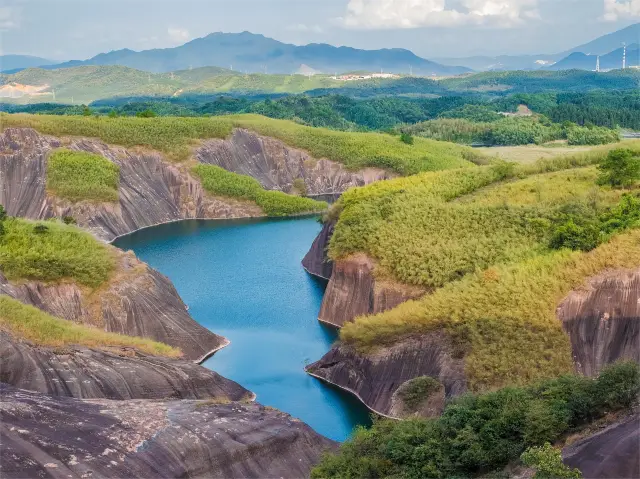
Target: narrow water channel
<point x="242" y="279"/>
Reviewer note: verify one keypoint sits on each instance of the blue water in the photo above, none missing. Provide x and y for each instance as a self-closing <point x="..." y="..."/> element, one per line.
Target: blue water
<point x="242" y="279"/>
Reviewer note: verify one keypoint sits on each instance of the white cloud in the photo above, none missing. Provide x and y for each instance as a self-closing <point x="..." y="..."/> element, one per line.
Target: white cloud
<point x="301" y="27"/>
<point x="9" y="18"/>
<point x="178" y="35"/>
<point x="615" y="9"/>
<point x="380" y="14"/>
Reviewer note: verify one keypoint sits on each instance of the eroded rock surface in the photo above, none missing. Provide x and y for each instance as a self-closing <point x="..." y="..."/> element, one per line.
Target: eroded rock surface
<point x="613" y="453"/>
<point x="354" y="291"/>
<point x="138" y="301"/>
<point x="115" y="373"/>
<point x="375" y="377"/>
<point x="45" y="436"/>
<point x="276" y="165"/>
<point x="316" y="261"/>
<point x="603" y="320"/>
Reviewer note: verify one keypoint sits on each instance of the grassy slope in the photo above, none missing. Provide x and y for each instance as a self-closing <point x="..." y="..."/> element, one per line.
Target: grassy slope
<point x="219" y="181"/>
<point x="175" y="136"/>
<point x="496" y="284"/>
<point x="77" y="176"/>
<point x="60" y="253"/>
<point x="42" y="329"/>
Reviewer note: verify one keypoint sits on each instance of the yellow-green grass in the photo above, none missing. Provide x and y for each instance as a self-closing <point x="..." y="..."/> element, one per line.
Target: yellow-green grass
<point x="417" y="235"/>
<point x="219" y="181"/>
<point x="42" y="329"/>
<point x="51" y="251"/>
<point x="175" y="136"/>
<point x="503" y="318"/>
<point x="77" y="176"/>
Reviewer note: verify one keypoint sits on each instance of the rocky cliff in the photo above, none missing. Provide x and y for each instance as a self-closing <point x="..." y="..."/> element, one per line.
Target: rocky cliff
<point x="603" y="320"/>
<point x="316" y="261"/>
<point x="276" y="165"/>
<point x="375" y="377"/>
<point x="47" y="436"/>
<point x="114" y="373"/>
<point x="353" y="290"/>
<point x="613" y="453"/>
<point x="137" y="301"/>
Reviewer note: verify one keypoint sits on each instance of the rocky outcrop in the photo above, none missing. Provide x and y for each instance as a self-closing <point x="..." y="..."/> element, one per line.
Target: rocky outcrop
<point x="613" y="453"/>
<point x="152" y="191"/>
<point x="137" y="301"/>
<point x="603" y="320"/>
<point x="354" y="291"/>
<point x="276" y="165"/>
<point x="375" y="377"/>
<point x="45" y="436"/>
<point x="112" y="373"/>
<point x="316" y="261"/>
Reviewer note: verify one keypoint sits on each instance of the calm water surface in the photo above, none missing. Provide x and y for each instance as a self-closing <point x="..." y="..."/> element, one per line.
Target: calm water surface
<point x="243" y="279"/>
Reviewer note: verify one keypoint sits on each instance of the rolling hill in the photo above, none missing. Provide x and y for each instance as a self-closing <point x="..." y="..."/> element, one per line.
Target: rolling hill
<point x="610" y="61"/>
<point x="11" y="63"/>
<point x="248" y="52"/>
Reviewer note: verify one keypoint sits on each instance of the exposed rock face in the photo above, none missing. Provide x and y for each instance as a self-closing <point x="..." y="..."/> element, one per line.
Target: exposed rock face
<point x="375" y="377"/>
<point x="152" y="191"/>
<point x="316" y="261"/>
<point x="44" y="436"/>
<point x="354" y="291"/>
<point x="275" y="165"/>
<point x="117" y="373"/>
<point x="138" y="301"/>
<point x="603" y="320"/>
<point x="611" y="453"/>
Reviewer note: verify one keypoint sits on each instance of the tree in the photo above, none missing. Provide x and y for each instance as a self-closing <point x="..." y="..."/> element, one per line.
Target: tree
<point x="86" y="111"/>
<point x="620" y="169"/>
<point x="146" y="114"/>
<point x="547" y="461"/>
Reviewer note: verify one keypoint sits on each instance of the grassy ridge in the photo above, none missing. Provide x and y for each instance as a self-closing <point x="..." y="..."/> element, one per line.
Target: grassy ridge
<point x="77" y="176"/>
<point x="42" y="329"/>
<point x="219" y="181"/>
<point x="51" y="251"/>
<point x="503" y="318"/>
<point x="175" y="135"/>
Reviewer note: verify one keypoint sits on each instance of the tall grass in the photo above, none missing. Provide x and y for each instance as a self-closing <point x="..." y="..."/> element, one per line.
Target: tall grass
<point x="219" y="181"/>
<point x="51" y="251"/>
<point x="176" y="135"/>
<point x="503" y="318"/>
<point x="42" y="329"/>
<point x="77" y="176"/>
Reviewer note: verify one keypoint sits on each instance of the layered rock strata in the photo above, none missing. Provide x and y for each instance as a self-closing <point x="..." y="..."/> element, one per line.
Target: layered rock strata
<point x="316" y="261"/>
<point x="47" y="436"/>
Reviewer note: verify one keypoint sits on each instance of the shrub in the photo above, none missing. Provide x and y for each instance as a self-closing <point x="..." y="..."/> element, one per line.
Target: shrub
<point x="300" y="186"/>
<point x="418" y="389"/>
<point x="621" y="168"/>
<point x="78" y="176"/>
<point x="219" y="181"/>
<point x="547" y="461"/>
<point x="406" y="138"/>
<point x="69" y="220"/>
<point x="584" y="237"/>
<point x="146" y="114"/>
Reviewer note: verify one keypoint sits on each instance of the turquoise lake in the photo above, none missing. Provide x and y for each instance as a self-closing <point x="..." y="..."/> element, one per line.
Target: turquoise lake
<point x="243" y="279"/>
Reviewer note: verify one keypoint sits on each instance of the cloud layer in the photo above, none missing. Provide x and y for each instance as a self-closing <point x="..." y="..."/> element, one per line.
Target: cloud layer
<point x="382" y="14"/>
<point x="178" y="35"/>
<point x="619" y="9"/>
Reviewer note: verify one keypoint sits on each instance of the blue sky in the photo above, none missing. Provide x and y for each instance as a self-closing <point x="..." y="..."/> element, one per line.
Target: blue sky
<point x="79" y="29"/>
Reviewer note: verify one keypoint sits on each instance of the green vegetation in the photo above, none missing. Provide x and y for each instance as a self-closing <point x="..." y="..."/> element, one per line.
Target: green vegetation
<point x="219" y="181"/>
<point x="41" y="329"/>
<point x="621" y="168"/>
<point x="174" y="136"/>
<point x="417" y="390"/>
<point x="77" y="176"/>
<point x="479" y="434"/>
<point x="547" y="462"/>
<point x="52" y="251"/>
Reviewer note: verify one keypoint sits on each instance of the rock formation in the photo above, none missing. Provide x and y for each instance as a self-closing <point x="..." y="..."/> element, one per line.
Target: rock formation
<point x="137" y="301"/>
<point x="114" y="373"/>
<point x="316" y="261"/>
<point x="375" y="377"/>
<point x="613" y="453"/>
<point x="276" y="165"/>
<point x="46" y="436"/>
<point x="603" y="320"/>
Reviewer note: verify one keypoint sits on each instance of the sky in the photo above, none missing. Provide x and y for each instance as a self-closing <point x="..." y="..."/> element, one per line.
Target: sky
<point x="80" y="29"/>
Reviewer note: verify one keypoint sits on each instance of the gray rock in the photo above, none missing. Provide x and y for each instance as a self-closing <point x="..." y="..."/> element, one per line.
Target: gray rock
<point x="316" y="261"/>
<point x="45" y="436"/>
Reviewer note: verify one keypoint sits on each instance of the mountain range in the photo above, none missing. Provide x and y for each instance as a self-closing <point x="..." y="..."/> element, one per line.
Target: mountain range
<point x="10" y="63"/>
<point x="600" y="46"/>
<point x="610" y="61"/>
<point x="252" y="53"/>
